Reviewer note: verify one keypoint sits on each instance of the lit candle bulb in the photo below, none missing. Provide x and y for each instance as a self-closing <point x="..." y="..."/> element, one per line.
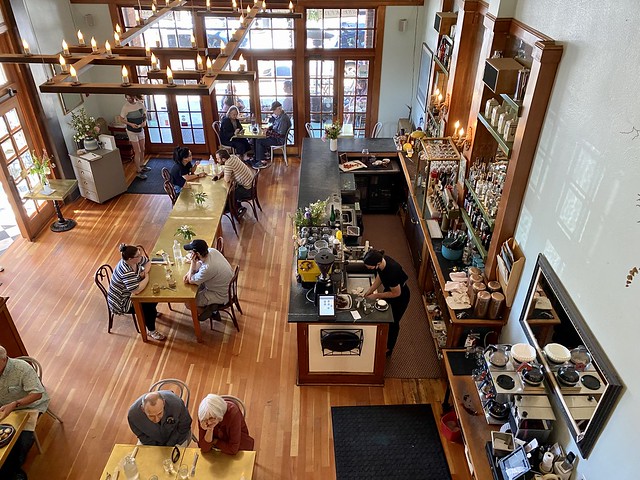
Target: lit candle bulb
<point x="193" y="41"/>
<point x="169" y="76"/>
<point x="234" y="4"/>
<point x="209" y="66"/>
<point x="456" y="126"/>
<point x="25" y="47"/>
<point x="264" y="5"/>
<point x="439" y="98"/>
<point x="125" y="75"/>
<point x="255" y="1"/>
<point x="154" y="62"/>
<point x="153" y="9"/>
<point x="199" y="62"/>
<point x="65" y="49"/>
<point x="81" y="39"/>
<point x="137" y="17"/>
<point x="147" y="50"/>
<point x="118" y="29"/>
<point x="241" y="64"/>
<point x="74" y="75"/>
<point x="290" y="5"/>
<point x="107" y="48"/>
<point x="208" y="5"/>
<point x="166" y="2"/>
<point x="63" y="64"/>
<point x="116" y="39"/>
<point x="241" y="18"/>
<point x="94" y="45"/>
<point x="248" y="9"/>
<point x="461" y="133"/>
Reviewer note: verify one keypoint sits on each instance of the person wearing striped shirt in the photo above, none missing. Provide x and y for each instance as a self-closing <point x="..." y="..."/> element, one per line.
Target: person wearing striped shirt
<point x="235" y="169"/>
<point x="129" y="277"/>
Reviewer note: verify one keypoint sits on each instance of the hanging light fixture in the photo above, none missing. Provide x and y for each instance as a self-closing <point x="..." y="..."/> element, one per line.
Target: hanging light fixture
<point x="125" y="77"/>
<point x="25" y="48"/>
<point x="81" y="39"/>
<point x="74" y="76"/>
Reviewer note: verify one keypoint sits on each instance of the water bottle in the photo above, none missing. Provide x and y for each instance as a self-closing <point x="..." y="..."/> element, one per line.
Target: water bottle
<point x="130" y="468"/>
<point x="177" y="253"/>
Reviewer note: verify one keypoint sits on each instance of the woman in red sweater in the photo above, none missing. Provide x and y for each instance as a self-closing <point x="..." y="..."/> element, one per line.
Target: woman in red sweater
<point x="222" y="426"/>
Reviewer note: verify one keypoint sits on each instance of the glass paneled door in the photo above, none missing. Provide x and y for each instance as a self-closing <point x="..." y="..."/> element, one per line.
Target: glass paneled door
<point x="339" y="89"/>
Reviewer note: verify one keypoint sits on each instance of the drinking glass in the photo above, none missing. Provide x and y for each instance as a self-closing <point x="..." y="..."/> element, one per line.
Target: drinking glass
<point x="183" y="473"/>
<point x="167" y="464"/>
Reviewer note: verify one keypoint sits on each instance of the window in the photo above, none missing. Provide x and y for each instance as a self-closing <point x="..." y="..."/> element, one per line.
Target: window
<point x="219" y="29"/>
<point x="3" y="76"/>
<point x="270" y="33"/>
<point x="340" y="28"/>
<point x="174" y="30"/>
<point x="234" y="92"/>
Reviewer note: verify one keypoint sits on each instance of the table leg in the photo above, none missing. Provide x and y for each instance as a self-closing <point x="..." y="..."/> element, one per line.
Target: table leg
<point x="62" y="224"/>
<point x="196" y="322"/>
<point x="137" y="306"/>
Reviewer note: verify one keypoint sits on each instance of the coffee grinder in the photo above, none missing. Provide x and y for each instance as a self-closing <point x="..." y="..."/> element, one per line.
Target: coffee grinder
<point x="324" y="259"/>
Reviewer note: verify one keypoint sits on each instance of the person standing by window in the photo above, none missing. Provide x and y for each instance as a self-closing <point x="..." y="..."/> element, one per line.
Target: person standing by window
<point x="396" y="293"/>
<point x="134" y="116"/>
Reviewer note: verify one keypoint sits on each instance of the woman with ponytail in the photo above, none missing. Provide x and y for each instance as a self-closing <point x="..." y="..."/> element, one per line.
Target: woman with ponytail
<point x="182" y="171"/>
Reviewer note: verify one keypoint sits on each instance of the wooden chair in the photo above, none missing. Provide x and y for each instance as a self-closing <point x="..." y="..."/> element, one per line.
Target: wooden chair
<point x="38" y="368"/>
<point x="102" y="279"/>
<point x="239" y="403"/>
<point x="230" y="209"/>
<point x="282" y="147"/>
<point x="233" y="301"/>
<point x="171" y="191"/>
<point x="174" y="385"/>
<point x="309" y="130"/>
<point x="216" y="130"/>
<point x="253" y="199"/>
<point x="220" y="245"/>
<point x="166" y="174"/>
<point x="375" y="131"/>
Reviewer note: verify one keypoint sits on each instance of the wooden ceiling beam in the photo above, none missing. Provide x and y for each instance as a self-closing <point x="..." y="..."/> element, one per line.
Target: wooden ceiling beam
<point x="249" y="76"/>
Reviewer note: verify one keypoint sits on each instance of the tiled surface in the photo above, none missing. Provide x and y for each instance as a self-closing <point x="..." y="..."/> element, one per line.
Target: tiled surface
<point x="8" y="228"/>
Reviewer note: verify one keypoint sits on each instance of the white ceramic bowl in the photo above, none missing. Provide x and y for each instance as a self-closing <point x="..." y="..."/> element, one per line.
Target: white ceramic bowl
<point x="557" y="353"/>
<point x="523" y="352"/>
<point x="381" y="303"/>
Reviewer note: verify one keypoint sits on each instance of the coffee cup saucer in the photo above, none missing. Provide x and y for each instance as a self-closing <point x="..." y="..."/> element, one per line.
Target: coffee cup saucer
<point x="382" y="309"/>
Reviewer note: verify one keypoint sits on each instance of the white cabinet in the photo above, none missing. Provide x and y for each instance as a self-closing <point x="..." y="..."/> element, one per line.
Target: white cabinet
<point x="100" y="177"/>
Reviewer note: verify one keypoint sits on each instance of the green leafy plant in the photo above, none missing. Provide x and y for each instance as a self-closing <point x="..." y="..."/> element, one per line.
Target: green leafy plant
<point x="186" y="232"/>
<point x="312" y="215"/>
<point x="42" y="165"/>
<point x="84" y="125"/>
<point x="332" y="131"/>
<point x="199" y="197"/>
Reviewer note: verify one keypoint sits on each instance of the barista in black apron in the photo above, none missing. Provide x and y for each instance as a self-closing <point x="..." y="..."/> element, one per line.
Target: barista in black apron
<point x="396" y="293"/>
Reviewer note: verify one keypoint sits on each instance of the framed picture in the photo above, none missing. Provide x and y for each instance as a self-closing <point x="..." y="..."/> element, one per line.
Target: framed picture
<point x="423" y="76"/>
<point x="69" y="101"/>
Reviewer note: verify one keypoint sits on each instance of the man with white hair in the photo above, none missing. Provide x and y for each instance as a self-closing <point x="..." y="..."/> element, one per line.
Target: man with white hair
<point x="222" y="426"/>
<point x="160" y="418"/>
<point x="20" y="389"/>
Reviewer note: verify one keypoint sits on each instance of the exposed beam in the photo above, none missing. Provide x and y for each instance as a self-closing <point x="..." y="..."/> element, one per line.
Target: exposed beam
<point x="249" y="76"/>
<point x="132" y="89"/>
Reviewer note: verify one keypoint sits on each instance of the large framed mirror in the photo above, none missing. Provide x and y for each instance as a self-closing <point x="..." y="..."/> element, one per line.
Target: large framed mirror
<point x="582" y="383"/>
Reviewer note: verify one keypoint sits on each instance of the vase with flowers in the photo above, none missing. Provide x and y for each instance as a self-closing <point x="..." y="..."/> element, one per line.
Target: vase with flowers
<point x="42" y="165"/>
<point x="186" y="232"/>
<point x="332" y="132"/>
<point x="85" y="129"/>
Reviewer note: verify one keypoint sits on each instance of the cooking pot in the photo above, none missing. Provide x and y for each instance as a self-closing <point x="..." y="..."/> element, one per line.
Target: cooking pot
<point x="532" y="374"/>
<point x="498" y="355"/>
<point x="568" y="376"/>
<point x="497" y="410"/>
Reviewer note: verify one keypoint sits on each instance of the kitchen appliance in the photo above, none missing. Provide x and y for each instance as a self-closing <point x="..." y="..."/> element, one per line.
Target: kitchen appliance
<point x="531" y="416"/>
<point x="324" y="259"/>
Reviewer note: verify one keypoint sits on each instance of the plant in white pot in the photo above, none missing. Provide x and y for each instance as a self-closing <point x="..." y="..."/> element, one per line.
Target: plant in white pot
<point x="42" y="165"/>
<point x="85" y="129"/>
<point x="332" y="132"/>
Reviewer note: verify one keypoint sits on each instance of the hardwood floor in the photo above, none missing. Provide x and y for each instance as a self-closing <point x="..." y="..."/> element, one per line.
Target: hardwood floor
<point x="93" y="377"/>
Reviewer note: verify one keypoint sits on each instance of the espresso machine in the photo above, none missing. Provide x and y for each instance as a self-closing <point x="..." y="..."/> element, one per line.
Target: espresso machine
<point x="324" y="259"/>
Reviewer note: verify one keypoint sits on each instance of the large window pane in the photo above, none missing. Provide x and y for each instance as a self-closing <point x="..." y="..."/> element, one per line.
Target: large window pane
<point x="275" y="83"/>
<point x="340" y="28"/>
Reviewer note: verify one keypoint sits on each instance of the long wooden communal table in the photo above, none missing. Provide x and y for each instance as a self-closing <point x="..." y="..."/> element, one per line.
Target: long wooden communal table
<point x="204" y="220"/>
<point x="17" y="419"/>
<point x="209" y="466"/>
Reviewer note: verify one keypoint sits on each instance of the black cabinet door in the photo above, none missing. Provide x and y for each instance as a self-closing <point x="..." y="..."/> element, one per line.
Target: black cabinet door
<point x="414" y="233"/>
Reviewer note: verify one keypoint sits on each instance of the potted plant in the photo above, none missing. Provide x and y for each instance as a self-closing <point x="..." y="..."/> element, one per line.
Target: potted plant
<point x="186" y="232"/>
<point x="312" y="215"/>
<point x="42" y="166"/>
<point x="332" y="132"/>
<point x="199" y="198"/>
<point x="86" y="129"/>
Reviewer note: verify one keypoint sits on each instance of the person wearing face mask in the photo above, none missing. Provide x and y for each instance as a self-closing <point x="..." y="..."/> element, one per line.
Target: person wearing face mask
<point x="160" y="418"/>
<point x="222" y="426"/>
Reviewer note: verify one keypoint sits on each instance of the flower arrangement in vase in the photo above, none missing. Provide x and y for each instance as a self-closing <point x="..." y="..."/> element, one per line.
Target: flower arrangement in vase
<point x="314" y="214"/>
<point x="332" y="132"/>
<point x="199" y="198"/>
<point x="186" y="232"/>
<point x="42" y="165"/>
<point x="86" y="129"/>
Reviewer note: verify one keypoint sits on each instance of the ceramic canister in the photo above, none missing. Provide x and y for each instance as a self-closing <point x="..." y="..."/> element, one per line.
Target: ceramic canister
<point x="475" y="289"/>
<point x="493" y="286"/>
<point x="495" y="305"/>
<point x="482" y="304"/>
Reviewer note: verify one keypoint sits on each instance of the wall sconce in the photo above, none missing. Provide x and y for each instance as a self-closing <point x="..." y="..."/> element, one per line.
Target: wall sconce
<point x="462" y="141"/>
<point x="402" y="24"/>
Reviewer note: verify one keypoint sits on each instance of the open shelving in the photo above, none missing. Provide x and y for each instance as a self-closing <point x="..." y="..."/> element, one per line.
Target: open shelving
<point x="487" y="218"/>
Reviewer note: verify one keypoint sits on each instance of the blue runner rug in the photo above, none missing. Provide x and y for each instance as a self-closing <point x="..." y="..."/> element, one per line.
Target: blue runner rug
<point x="154" y="184"/>
<point x="387" y="442"/>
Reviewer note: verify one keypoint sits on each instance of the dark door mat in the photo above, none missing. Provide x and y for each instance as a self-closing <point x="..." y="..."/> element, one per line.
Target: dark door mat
<point x="387" y="442"/>
<point x="154" y="184"/>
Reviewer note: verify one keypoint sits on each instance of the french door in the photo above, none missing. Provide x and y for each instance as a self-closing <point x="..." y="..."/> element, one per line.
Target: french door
<point x="339" y="90"/>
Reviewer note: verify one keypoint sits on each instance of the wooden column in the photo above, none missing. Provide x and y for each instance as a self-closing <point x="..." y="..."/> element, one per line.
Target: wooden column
<point x="9" y="335"/>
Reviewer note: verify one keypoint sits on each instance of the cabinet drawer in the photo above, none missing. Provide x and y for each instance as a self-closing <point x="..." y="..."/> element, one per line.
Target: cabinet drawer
<point x="88" y="193"/>
<point x="85" y="177"/>
<point x="80" y="163"/>
<point x="87" y="184"/>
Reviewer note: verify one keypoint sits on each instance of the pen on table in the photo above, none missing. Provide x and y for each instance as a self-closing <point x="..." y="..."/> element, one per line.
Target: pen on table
<point x="135" y="452"/>
<point x="195" y="461"/>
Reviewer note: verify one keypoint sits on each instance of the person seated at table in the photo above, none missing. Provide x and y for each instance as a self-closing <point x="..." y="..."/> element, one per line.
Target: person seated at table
<point x="235" y="169"/>
<point x="222" y="426"/>
<point x="212" y="273"/>
<point x="183" y="169"/>
<point x="20" y="389"/>
<point x="130" y="277"/>
<point x="276" y="134"/>
<point x="231" y="126"/>
<point x="160" y="418"/>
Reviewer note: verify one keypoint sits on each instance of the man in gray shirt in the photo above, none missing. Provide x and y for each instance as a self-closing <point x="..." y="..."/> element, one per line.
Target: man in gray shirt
<point x="160" y="418"/>
<point x="212" y="273"/>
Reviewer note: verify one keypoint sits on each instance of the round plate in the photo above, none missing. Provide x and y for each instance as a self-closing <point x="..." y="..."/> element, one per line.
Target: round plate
<point x="382" y="309"/>
<point x="6" y="433"/>
<point x="557" y="353"/>
<point x="590" y="381"/>
<point x="523" y="352"/>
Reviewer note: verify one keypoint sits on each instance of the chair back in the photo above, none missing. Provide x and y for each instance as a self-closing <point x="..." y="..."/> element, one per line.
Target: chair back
<point x="220" y="245"/>
<point x="233" y="287"/>
<point x="174" y="385"/>
<point x="103" y="278"/>
<point x="254" y="184"/>
<point x="239" y="403"/>
<point x="375" y="131"/>
<point x="216" y="130"/>
<point x="307" y="126"/>
<point x="166" y="174"/>
<point x="171" y="191"/>
<point x="34" y="363"/>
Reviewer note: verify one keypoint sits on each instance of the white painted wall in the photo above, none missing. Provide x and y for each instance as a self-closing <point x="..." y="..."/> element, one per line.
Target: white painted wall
<point x="581" y="207"/>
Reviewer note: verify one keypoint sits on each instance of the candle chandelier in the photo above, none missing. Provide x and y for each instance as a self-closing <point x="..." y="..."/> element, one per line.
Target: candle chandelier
<point x="73" y="60"/>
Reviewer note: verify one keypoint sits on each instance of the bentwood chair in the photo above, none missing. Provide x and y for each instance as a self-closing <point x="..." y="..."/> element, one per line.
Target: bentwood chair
<point x="282" y="147"/>
<point x="174" y="385"/>
<point x="375" y="131"/>
<point x="166" y="174"/>
<point x="102" y="279"/>
<point x="253" y="199"/>
<point x="233" y="301"/>
<point x="230" y="209"/>
<point x="239" y="403"/>
<point x="171" y="191"/>
<point x="216" y="130"/>
<point x="38" y="368"/>
<point x="220" y="245"/>
<point x="309" y="130"/>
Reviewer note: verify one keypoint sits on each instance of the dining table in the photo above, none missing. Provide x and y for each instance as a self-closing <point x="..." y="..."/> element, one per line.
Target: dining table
<point x="249" y="134"/>
<point x="18" y="420"/>
<point x="203" y="219"/>
<point x="59" y="190"/>
<point x="149" y="460"/>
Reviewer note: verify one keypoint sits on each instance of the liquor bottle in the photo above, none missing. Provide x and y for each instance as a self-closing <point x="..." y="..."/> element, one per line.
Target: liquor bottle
<point x="332" y="217"/>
